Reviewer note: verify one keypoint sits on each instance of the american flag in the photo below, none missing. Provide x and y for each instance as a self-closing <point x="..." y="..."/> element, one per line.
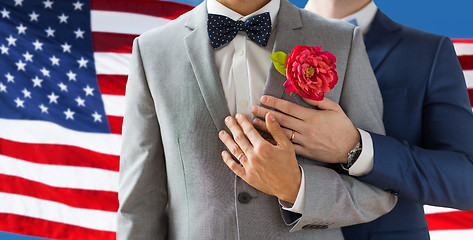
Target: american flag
<point x="63" y="71"/>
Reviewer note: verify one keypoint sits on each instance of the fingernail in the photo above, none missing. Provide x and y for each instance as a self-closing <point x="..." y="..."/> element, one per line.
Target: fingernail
<point x="254" y="109"/>
<point x="272" y="117"/>
<point x="227" y="119"/>
<point x="264" y="99"/>
<point x="238" y="116"/>
<point x="221" y="133"/>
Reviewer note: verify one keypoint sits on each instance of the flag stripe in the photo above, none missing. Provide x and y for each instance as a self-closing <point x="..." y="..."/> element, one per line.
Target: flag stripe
<point x="112" y="84"/>
<point x="81" y="198"/>
<point x="434" y="209"/>
<point x="466" y="61"/>
<point x="164" y="9"/>
<point x="54" y="154"/>
<point x="457" y="40"/>
<point x="60" y="176"/>
<point x="114" y="105"/>
<point x="450" y="220"/>
<point x="115" y="124"/>
<point x="451" y="234"/>
<point x="49" y="229"/>
<point x="112" y="63"/>
<point x="124" y="23"/>
<point x="463" y="49"/>
<point x="57" y="212"/>
<point x="33" y="132"/>
<point x="469" y="78"/>
<point x="113" y="42"/>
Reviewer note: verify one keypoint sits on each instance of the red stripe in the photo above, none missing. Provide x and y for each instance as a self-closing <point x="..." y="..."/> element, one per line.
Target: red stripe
<point x="115" y="124"/>
<point x="91" y="199"/>
<point x="49" y="229"/>
<point x="59" y="155"/>
<point x="450" y="220"/>
<point x="466" y="61"/>
<point x="113" y="42"/>
<point x="462" y="40"/>
<point x="112" y="84"/>
<point x="470" y="93"/>
<point x="164" y="9"/>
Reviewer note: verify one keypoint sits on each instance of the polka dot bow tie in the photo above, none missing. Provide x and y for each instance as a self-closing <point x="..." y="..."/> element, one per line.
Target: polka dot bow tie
<point x="222" y="29"/>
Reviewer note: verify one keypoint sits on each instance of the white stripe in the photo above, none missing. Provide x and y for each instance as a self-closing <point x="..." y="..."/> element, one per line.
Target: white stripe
<point x="432" y="209"/>
<point x="29" y="131"/>
<point x="469" y="78"/>
<point x="61" y="176"/>
<point x="122" y="22"/>
<point x="114" y="105"/>
<point x="57" y="212"/>
<point x="463" y="48"/>
<point x="112" y="63"/>
<point x="452" y="234"/>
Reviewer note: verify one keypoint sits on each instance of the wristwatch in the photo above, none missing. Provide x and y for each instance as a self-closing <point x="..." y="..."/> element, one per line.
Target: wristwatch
<point x="352" y="156"/>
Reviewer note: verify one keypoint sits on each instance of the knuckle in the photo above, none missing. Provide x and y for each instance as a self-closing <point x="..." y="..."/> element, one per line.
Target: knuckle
<point x="239" y="137"/>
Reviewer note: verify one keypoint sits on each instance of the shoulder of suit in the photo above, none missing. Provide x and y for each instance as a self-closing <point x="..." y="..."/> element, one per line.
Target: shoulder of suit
<point x="315" y="20"/>
<point x="167" y="31"/>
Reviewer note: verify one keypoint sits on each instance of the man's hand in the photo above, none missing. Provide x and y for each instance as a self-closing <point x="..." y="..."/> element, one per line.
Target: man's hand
<point x="325" y="135"/>
<point x="272" y="169"/>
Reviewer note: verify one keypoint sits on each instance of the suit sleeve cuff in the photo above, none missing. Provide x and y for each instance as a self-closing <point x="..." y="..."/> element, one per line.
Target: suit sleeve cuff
<point x="364" y="163"/>
<point x="298" y="205"/>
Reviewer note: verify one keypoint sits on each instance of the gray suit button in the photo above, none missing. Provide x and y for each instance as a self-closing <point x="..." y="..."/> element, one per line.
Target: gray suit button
<point x="244" y="197"/>
<point x="314" y="226"/>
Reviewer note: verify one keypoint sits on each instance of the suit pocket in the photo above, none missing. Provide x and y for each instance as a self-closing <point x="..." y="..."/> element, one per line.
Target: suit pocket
<point x="421" y="234"/>
<point x="392" y="94"/>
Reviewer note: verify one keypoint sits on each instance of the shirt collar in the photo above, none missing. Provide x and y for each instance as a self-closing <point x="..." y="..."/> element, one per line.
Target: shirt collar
<point x="215" y="7"/>
<point x="364" y="16"/>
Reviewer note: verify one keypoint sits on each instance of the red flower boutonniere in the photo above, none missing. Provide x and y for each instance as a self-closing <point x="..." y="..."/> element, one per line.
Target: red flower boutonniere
<point x="310" y="72"/>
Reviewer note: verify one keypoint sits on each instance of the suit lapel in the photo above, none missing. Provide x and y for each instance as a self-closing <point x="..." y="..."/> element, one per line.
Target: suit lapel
<point x="288" y="34"/>
<point x="201" y="56"/>
<point x="381" y="39"/>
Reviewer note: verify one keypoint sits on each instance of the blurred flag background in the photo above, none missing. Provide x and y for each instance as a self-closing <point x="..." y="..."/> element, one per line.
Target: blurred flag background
<point x="63" y="70"/>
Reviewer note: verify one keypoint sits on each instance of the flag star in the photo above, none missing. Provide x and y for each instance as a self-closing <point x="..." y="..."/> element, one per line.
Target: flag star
<point x="97" y="117"/>
<point x="26" y="93"/>
<point x="50" y="32"/>
<point x="63" y="87"/>
<point x="88" y="91"/>
<point x="11" y="41"/>
<point x="4" y="49"/>
<point x="18" y="2"/>
<point x="63" y="18"/>
<point x="19" y="103"/>
<point x="82" y="62"/>
<point x="38" y="45"/>
<point x="66" y="47"/>
<point x="48" y="4"/>
<point x="5" y="13"/>
<point x="69" y="114"/>
<point x="10" y="78"/>
<point x="28" y="57"/>
<point x="37" y="81"/>
<point x="3" y="88"/>
<point x="80" y="102"/>
<point x="78" y="5"/>
<point x="54" y="60"/>
<point x="53" y="98"/>
<point x="34" y="17"/>
<point x="45" y="72"/>
<point x="71" y="75"/>
<point x="43" y="108"/>
<point x="21" y="29"/>
<point x="20" y="65"/>
<point x="79" y="33"/>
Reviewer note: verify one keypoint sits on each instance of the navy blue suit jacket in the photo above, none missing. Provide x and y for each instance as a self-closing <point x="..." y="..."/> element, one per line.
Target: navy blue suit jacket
<point x="427" y="155"/>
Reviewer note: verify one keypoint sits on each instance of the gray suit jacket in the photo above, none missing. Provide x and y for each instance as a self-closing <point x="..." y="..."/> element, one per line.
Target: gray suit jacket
<point x="173" y="181"/>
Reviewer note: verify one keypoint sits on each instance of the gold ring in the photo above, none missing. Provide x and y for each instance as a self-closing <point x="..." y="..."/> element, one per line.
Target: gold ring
<point x="239" y="156"/>
<point x="292" y="136"/>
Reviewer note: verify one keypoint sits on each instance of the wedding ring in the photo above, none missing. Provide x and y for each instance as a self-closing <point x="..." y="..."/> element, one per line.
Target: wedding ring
<point x="241" y="155"/>
<point x="292" y="136"/>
